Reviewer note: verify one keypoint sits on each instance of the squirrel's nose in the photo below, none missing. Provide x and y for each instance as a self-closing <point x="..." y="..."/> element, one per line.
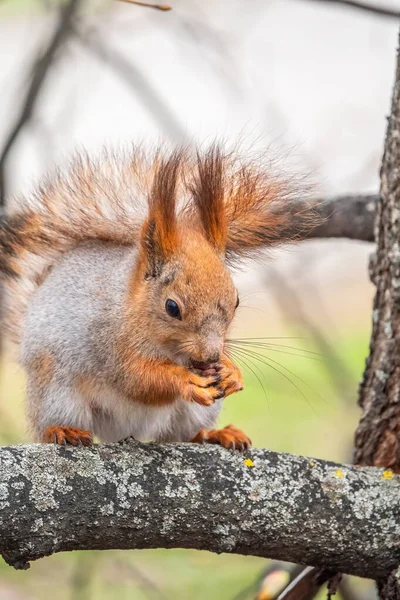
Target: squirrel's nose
<point x="210" y="347"/>
<point x="213" y="357"/>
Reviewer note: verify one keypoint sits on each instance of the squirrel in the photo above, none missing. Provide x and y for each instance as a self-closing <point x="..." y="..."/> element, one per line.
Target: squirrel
<point x="119" y="292"/>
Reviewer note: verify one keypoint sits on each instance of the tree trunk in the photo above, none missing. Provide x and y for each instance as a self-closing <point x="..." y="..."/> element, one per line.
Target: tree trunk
<point x="377" y="440"/>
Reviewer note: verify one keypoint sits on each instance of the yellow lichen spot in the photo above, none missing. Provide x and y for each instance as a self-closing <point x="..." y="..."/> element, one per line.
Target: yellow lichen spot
<point x="248" y="462"/>
<point x="387" y="474"/>
<point x="339" y="473"/>
<point x="312" y="463"/>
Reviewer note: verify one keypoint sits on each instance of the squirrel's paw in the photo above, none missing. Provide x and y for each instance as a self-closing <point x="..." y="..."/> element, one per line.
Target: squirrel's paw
<point x="231" y="379"/>
<point x="229" y="437"/>
<point x="68" y="435"/>
<point x="204" y="390"/>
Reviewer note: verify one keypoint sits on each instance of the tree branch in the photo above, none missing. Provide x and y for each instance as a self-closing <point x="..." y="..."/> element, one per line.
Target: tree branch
<point x="134" y="495"/>
<point x="306" y="585"/>
<point x="39" y="74"/>
<point x="163" y="7"/>
<point x="347" y="216"/>
<point x="376" y="9"/>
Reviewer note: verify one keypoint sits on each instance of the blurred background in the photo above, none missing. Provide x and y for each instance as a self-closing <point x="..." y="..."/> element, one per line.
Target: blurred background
<point x="310" y="80"/>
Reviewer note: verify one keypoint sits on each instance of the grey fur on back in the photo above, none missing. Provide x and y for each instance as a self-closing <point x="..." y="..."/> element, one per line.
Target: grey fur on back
<point x="76" y="311"/>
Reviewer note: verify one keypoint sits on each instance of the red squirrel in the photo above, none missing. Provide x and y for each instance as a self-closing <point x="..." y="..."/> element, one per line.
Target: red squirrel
<point x="120" y="294"/>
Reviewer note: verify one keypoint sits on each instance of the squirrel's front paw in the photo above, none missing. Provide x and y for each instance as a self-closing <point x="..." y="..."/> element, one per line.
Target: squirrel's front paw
<point x="231" y="378"/>
<point x="204" y="390"/>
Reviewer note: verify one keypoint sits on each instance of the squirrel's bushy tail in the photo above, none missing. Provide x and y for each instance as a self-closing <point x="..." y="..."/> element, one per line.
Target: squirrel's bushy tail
<point x="248" y="205"/>
<point x="102" y="201"/>
<point x="238" y="204"/>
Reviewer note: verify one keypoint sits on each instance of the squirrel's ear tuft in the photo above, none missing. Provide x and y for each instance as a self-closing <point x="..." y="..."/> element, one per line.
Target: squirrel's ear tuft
<point x="208" y="190"/>
<point x="159" y="236"/>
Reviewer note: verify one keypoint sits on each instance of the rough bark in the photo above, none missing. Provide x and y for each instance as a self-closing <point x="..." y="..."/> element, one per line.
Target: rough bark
<point x="39" y="75"/>
<point x="377" y="440"/>
<point x="388" y="587"/>
<point x="378" y="434"/>
<point x="136" y="495"/>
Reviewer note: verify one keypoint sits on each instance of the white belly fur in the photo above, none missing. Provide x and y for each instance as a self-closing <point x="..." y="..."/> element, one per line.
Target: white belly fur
<point x="115" y="417"/>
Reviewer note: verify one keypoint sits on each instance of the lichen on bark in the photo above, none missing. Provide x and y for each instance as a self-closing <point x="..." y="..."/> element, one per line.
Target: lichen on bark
<point x="134" y="495"/>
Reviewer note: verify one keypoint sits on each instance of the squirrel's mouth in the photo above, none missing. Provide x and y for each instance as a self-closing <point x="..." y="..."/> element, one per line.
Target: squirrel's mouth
<point x="202" y="366"/>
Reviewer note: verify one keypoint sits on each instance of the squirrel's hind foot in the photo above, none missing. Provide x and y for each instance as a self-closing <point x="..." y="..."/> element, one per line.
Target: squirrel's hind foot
<point x="229" y="437"/>
<point x="67" y="435"/>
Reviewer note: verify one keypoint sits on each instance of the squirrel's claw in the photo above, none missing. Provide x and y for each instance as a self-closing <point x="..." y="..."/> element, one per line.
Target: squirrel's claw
<point x="67" y="435"/>
<point x="229" y="437"/>
<point x="128" y="440"/>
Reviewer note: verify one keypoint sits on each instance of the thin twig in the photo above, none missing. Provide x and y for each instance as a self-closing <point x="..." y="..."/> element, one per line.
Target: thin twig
<point x="365" y="7"/>
<point x="39" y="74"/>
<point x="82" y="576"/>
<point x="306" y="585"/>
<point x="148" y="586"/>
<point x="163" y="7"/>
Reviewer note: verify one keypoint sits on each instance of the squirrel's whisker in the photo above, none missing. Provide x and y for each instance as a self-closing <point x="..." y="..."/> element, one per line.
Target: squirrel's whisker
<point x="267" y="347"/>
<point x="251" y="367"/>
<point x="267" y="361"/>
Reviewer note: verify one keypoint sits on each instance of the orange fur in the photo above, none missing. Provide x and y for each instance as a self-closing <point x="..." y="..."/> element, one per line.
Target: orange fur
<point x="229" y="437"/>
<point x="209" y="189"/>
<point x="159" y="235"/>
<point x="231" y="377"/>
<point x="162" y="381"/>
<point x="67" y="435"/>
<point x="243" y="207"/>
<point x="189" y="216"/>
<point x="238" y="205"/>
<point x="42" y="366"/>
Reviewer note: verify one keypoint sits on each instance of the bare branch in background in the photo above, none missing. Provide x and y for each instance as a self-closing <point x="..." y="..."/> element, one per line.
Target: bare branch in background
<point x="306" y="585"/>
<point x="163" y="7"/>
<point x="39" y="74"/>
<point x="148" y="586"/>
<point x="134" y="495"/>
<point x="376" y="9"/>
<point x="82" y="576"/>
<point x="347" y="216"/>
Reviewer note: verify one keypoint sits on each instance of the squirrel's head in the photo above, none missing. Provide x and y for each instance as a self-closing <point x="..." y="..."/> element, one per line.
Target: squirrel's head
<point x="190" y="302"/>
<point x="183" y="289"/>
<point x="184" y="284"/>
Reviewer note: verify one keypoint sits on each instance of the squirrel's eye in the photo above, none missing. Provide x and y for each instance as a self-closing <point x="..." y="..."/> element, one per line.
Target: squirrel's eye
<point x="173" y="309"/>
<point x="237" y="302"/>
